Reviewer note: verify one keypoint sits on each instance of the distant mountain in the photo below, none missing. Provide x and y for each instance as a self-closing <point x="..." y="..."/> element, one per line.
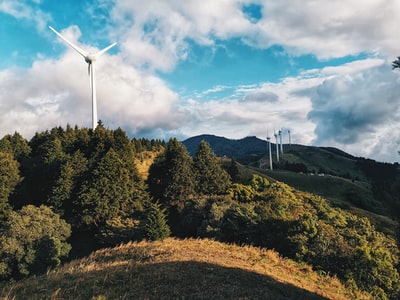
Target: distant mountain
<point x="251" y="149"/>
<point x="245" y="151"/>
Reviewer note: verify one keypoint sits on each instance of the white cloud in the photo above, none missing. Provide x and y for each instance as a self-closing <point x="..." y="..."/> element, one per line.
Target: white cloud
<point x="57" y="92"/>
<point x="331" y="28"/>
<point x="24" y="11"/>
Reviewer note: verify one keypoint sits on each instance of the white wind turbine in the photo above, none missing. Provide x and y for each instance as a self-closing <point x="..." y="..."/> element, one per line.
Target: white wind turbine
<point x="269" y="150"/>
<point x="90" y="59"/>
<point x="277" y="146"/>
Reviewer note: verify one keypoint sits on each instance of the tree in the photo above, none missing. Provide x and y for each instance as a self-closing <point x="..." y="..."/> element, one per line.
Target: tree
<point x="112" y="189"/>
<point x="32" y="240"/>
<point x="171" y="178"/>
<point x="210" y="177"/>
<point x="66" y="186"/>
<point x="9" y="178"/>
<point x="233" y="171"/>
<point x="156" y="227"/>
<point x="16" y="145"/>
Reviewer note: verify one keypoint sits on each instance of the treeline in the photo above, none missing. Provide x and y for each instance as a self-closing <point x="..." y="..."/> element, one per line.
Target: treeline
<point x="84" y="182"/>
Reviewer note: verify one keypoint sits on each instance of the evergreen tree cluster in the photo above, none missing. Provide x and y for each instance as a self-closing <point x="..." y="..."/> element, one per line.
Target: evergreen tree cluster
<point x="86" y="178"/>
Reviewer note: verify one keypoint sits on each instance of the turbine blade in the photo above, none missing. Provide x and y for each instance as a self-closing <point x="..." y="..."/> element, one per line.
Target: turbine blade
<point x="100" y="53"/>
<point x="76" y="48"/>
<point x="88" y="69"/>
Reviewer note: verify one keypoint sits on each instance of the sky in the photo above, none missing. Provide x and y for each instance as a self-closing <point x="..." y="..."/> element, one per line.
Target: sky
<point x="233" y="68"/>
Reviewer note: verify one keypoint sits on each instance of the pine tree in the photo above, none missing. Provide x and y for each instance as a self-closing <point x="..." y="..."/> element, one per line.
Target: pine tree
<point x="156" y="227"/>
<point x="210" y="177"/>
<point x="171" y="177"/>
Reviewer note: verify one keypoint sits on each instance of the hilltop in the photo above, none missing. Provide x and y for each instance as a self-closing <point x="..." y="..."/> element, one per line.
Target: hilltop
<point x="182" y="269"/>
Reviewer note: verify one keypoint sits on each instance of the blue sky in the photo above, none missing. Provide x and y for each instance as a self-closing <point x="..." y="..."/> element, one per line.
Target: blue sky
<point x="321" y="69"/>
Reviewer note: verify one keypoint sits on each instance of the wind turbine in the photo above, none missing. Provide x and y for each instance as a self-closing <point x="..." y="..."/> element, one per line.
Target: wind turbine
<point x="290" y="139"/>
<point x="270" y="153"/>
<point x="277" y="146"/>
<point x="90" y="59"/>
<point x="280" y="138"/>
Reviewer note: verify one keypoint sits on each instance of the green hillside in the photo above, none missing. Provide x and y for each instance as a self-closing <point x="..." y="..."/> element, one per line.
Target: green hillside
<point x="348" y="181"/>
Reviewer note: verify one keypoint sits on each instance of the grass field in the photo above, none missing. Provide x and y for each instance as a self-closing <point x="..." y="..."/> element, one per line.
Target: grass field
<point x="181" y="269"/>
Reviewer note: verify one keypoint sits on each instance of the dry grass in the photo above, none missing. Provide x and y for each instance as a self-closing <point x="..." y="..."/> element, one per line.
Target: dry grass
<point x="181" y="269"/>
<point x="144" y="160"/>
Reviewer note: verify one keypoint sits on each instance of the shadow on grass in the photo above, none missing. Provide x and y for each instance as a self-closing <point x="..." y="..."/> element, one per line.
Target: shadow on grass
<point x="167" y="280"/>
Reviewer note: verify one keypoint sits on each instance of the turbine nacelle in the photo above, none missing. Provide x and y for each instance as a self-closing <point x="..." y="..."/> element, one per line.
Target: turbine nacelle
<point x="90" y="58"/>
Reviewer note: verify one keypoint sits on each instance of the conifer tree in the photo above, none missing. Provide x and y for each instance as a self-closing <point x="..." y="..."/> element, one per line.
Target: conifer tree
<point x="156" y="227"/>
<point x="210" y="177"/>
<point x="179" y="173"/>
<point x="171" y="178"/>
<point x="16" y="145"/>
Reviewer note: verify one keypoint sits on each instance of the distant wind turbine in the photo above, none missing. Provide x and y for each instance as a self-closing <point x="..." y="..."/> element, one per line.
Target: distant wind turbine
<point x="277" y="146"/>
<point x="269" y="150"/>
<point x="280" y="138"/>
<point x="90" y="59"/>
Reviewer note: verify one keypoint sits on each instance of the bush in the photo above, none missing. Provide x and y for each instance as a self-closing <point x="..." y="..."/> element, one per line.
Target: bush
<point x="32" y="240"/>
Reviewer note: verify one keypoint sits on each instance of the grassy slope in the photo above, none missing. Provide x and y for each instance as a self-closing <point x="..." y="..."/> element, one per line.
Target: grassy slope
<point x="144" y="161"/>
<point x="181" y="269"/>
<point x="354" y="196"/>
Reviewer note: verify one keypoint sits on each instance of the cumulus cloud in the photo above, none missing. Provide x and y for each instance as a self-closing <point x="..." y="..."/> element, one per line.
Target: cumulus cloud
<point x="347" y="107"/>
<point x="156" y="33"/>
<point x="57" y="92"/>
<point x="330" y="28"/>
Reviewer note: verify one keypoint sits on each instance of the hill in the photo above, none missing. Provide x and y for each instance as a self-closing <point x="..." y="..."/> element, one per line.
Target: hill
<point x="250" y="150"/>
<point x="345" y="180"/>
<point x="181" y="269"/>
<point x="245" y="150"/>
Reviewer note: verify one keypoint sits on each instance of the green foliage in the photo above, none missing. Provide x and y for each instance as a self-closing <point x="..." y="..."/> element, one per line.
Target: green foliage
<point x="211" y="179"/>
<point x="109" y="192"/>
<point x="16" y="145"/>
<point x="9" y="178"/>
<point x="32" y="240"/>
<point x="239" y="224"/>
<point x="156" y="227"/>
<point x="259" y="183"/>
<point x="241" y="192"/>
<point x="233" y="171"/>
<point x="171" y="178"/>
<point x="251" y="192"/>
<point x="66" y="186"/>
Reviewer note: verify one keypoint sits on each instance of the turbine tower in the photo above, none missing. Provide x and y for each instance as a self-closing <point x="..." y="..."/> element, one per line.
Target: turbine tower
<point x="290" y="139"/>
<point x="270" y="153"/>
<point x="277" y="146"/>
<point x="280" y="139"/>
<point x="90" y="59"/>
